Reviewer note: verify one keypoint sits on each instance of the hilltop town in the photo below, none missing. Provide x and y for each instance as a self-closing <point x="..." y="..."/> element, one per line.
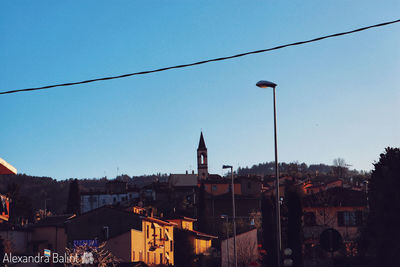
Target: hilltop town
<point x="184" y="219"/>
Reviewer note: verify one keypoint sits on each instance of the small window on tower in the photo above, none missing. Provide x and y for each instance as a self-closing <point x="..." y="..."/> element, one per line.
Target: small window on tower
<point x="202" y="159"/>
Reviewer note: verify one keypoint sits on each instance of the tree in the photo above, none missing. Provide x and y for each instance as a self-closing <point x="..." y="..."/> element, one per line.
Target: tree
<point x="97" y="256"/>
<point x="74" y="198"/>
<point x="340" y="167"/>
<point x="202" y="210"/>
<point x="20" y="206"/>
<point x="381" y="237"/>
<point x="183" y="249"/>
<point x="2" y="250"/>
<point x="268" y="231"/>
<point x="294" y="227"/>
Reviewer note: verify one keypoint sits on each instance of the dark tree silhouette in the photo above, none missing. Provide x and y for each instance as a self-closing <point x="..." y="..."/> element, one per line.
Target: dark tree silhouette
<point x="183" y="249"/>
<point x="202" y="210"/>
<point x="294" y="226"/>
<point x="268" y="231"/>
<point x="2" y="252"/>
<point x="381" y="238"/>
<point x="74" y="198"/>
<point x="20" y="206"/>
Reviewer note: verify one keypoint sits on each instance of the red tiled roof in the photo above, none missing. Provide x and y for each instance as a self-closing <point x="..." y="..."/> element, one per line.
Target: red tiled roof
<point x="6" y="168"/>
<point x="336" y="197"/>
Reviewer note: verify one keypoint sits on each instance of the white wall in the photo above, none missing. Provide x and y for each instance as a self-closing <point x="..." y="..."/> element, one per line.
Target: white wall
<point x="94" y="201"/>
<point x="246" y="246"/>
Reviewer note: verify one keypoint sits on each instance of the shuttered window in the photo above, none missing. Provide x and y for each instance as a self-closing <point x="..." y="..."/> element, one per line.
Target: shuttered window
<point x="349" y="218"/>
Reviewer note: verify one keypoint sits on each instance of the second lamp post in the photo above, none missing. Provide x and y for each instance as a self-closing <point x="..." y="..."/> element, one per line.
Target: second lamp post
<point x="234" y="214"/>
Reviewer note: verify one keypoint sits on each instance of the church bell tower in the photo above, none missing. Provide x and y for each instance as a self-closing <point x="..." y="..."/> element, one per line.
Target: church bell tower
<point x="202" y="166"/>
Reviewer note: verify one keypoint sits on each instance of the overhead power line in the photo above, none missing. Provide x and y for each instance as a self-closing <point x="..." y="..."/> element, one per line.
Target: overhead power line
<point x="203" y="61"/>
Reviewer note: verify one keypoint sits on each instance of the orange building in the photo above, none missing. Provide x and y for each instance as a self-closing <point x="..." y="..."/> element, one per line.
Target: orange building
<point x="220" y="186"/>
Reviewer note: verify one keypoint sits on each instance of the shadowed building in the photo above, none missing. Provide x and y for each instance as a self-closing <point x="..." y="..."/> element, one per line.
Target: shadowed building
<point x="201" y="242"/>
<point x="338" y="208"/>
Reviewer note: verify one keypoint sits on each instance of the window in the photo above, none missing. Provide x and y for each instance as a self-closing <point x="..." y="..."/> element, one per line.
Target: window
<point x="161" y="258"/>
<point x="309" y="219"/>
<point x="160" y="233"/>
<point x="202" y="159"/>
<point x="147" y="231"/>
<point x="213" y="187"/>
<point x="106" y="231"/>
<point x="171" y="246"/>
<point x="249" y="185"/>
<point x="133" y="255"/>
<point x="349" y="218"/>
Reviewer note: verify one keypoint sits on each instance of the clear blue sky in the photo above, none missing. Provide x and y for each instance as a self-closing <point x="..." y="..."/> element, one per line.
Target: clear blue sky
<point x="336" y="98"/>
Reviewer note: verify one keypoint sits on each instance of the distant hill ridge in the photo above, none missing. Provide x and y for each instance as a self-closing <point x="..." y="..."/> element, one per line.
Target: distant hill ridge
<point x="36" y="190"/>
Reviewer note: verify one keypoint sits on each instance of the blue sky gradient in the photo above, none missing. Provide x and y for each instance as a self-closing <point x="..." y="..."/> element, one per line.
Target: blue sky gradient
<point x="336" y="98"/>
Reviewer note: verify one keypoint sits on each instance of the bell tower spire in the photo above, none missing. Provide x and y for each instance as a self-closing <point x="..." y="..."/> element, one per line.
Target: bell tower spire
<point x="202" y="165"/>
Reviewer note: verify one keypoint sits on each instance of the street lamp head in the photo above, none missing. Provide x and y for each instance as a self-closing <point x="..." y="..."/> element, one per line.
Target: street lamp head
<point x="226" y="167"/>
<point x="266" y="84"/>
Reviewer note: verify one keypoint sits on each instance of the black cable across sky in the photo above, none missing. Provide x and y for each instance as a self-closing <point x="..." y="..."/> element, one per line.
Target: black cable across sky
<point x="201" y="62"/>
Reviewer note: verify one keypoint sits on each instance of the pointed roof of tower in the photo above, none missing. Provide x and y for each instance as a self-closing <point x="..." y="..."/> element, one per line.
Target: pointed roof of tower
<point x="202" y="144"/>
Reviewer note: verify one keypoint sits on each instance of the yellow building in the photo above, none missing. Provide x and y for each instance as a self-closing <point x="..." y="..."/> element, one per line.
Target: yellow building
<point x="201" y="242"/>
<point x="154" y="244"/>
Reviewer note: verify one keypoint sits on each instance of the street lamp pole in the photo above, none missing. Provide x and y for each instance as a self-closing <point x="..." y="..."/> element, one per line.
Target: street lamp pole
<point x="266" y="84"/>
<point x="234" y="213"/>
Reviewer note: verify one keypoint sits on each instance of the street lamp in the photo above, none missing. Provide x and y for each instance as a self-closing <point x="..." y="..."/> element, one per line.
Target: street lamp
<point x="266" y="84"/>
<point x="227" y="235"/>
<point x="234" y="213"/>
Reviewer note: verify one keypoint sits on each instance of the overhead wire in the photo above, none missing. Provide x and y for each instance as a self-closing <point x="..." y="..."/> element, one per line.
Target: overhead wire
<point x="203" y="61"/>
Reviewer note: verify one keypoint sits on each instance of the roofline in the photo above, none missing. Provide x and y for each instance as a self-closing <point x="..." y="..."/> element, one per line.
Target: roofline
<point x="8" y="166"/>
<point x="184" y="218"/>
<point x="202" y="234"/>
<point x="151" y="219"/>
<point x="73" y="217"/>
<point x="240" y="234"/>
